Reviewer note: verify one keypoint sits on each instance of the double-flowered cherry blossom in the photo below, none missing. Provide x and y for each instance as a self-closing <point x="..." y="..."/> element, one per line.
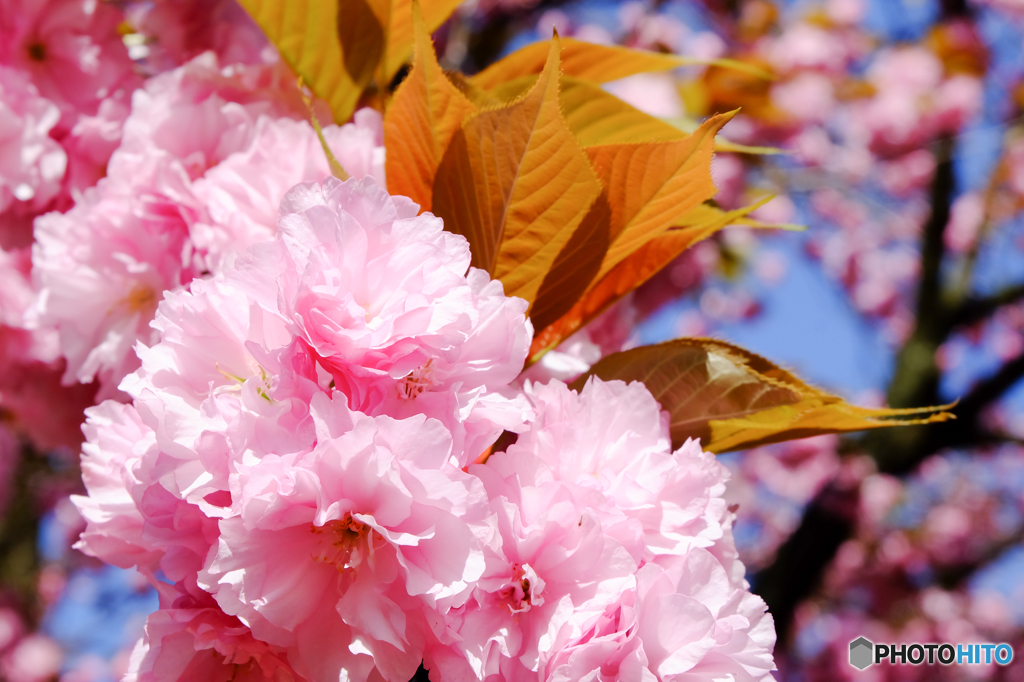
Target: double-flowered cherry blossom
<point x="598" y="521"/>
<point x="71" y="50"/>
<point x="305" y="459"/>
<point x="206" y="156"/>
<point x="32" y="164"/>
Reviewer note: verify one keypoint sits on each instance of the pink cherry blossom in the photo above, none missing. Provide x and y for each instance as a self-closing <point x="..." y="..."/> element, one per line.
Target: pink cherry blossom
<point x="71" y="49"/>
<point x="388" y="305"/>
<point x="583" y="497"/>
<point x="175" y="32"/>
<point x="559" y="568"/>
<point x="242" y="194"/>
<point x="190" y="638"/>
<point x="205" y="159"/>
<point x="116" y="439"/>
<point x="92" y="141"/>
<point x="31" y="163"/>
<point x="133" y="517"/>
<point x="295" y="460"/>
<point x="689" y="618"/>
<point x="613" y="437"/>
<point x="30" y="390"/>
<point x="201" y="112"/>
<point x="364" y="533"/>
<point x="124" y="246"/>
<point x="204" y="411"/>
<point x="211" y="403"/>
<point x="35" y="658"/>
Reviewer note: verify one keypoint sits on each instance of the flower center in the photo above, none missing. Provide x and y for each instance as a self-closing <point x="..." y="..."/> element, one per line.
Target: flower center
<point x="417" y="381"/>
<point x="344" y="542"/>
<point x="524" y="590"/>
<point x="37" y="52"/>
<point x="141" y="298"/>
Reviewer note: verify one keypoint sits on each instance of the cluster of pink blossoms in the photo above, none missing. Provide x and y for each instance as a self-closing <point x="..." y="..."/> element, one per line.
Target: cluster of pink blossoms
<point x="115" y="188"/>
<point x="205" y="158"/>
<point x="64" y="78"/>
<point x="303" y="473"/>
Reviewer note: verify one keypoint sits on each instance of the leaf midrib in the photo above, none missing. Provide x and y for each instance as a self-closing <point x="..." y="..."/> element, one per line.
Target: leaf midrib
<point x="515" y="177"/>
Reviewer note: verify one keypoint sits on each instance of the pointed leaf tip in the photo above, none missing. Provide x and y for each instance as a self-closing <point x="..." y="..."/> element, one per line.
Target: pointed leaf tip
<point x="425" y="114"/>
<point x="596" y="62"/>
<point x="517" y="185"/>
<point x="733" y="399"/>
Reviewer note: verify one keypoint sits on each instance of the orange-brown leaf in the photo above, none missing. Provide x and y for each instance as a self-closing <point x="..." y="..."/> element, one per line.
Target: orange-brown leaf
<point x="361" y="31"/>
<point x="688" y="125"/>
<point x="424" y="115"/>
<point x="651" y="186"/>
<point x="339" y="46"/>
<point x="574" y="269"/>
<point x="699" y="224"/>
<point x="515" y="182"/>
<point x="306" y="34"/>
<point x="596" y="117"/>
<point x="401" y="33"/>
<point x="732" y="399"/>
<point x="593" y="62"/>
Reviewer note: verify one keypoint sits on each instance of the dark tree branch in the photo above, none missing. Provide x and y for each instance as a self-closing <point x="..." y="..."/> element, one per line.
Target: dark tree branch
<point x="829" y="518"/>
<point x="801" y="561"/>
<point x="952" y="577"/>
<point x="915" y="381"/>
<point x="989" y="390"/>
<point x="974" y="310"/>
<point x="953" y="9"/>
<point x="19" y="530"/>
<point x="968" y="429"/>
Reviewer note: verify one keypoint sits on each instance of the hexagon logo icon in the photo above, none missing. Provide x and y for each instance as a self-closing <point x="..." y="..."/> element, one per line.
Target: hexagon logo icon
<point x="861" y="653"/>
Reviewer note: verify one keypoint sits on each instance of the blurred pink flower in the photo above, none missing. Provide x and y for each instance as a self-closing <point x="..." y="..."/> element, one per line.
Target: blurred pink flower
<point x="653" y="93"/>
<point x="907" y="173"/>
<point x="32" y="164"/>
<point x="808" y="97"/>
<point x="35" y="658"/>
<point x="176" y="31"/>
<point x="846" y="11"/>
<point x="30" y="389"/>
<point x="730" y="177"/>
<point x="91" y="143"/>
<point x="71" y="50"/>
<point x="101" y="269"/>
<point x="804" y="46"/>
